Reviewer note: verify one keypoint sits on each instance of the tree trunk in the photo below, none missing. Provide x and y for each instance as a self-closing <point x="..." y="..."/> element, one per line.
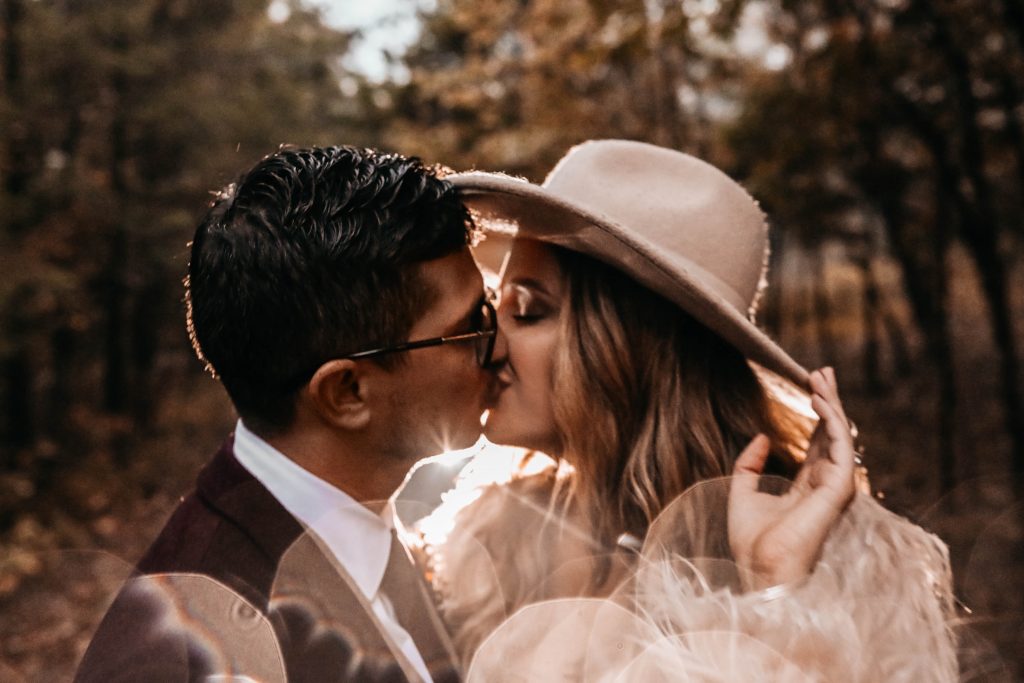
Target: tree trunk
<point x="12" y="14"/>
<point x="62" y="348"/>
<point x="926" y="288"/>
<point x="112" y="304"/>
<point x="665" y="113"/>
<point x="902" y="358"/>
<point x="994" y="282"/>
<point x="980" y="230"/>
<point x="821" y="307"/>
<point x="145" y="327"/>
<point x="1014" y="12"/>
<point x="924" y="274"/>
<point x="17" y="370"/>
<point x="942" y="353"/>
<point x="114" y="287"/>
<point x="870" y="322"/>
<point x="1010" y="97"/>
<point x="941" y="347"/>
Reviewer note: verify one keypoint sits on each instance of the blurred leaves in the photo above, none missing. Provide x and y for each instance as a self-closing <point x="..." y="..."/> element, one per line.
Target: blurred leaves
<point x="880" y="136"/>
<point x="116" y="121"/>
<point x="118" y="118"/>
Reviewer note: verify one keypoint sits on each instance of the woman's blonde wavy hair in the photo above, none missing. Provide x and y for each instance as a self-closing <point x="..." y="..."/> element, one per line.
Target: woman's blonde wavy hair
<point x="648" y="402"/>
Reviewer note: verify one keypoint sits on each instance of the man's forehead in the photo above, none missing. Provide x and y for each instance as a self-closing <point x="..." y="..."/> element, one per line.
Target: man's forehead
<point x="457" y="286"/>
<point x="452" y="274"/>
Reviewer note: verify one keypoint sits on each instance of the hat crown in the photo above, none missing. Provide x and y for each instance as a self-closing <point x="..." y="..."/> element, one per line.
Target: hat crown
<point x="683" y="207"/>
<point x="675" y="224"/>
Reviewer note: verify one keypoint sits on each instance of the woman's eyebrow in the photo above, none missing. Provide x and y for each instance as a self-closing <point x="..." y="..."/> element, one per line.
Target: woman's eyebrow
<point x="531" y="283"/>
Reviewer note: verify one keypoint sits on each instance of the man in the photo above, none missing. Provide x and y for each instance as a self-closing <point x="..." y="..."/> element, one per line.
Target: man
<point x="333" y="293"/>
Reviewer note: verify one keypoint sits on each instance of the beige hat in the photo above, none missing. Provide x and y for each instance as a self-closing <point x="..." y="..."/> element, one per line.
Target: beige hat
<point x="676" y="224"/>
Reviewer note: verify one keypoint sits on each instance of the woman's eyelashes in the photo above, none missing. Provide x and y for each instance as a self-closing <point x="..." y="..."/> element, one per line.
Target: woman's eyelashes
<point x="522" y="305"/>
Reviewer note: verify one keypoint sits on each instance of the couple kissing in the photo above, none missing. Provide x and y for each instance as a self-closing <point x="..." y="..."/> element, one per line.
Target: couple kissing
<point x="699" y="517"/>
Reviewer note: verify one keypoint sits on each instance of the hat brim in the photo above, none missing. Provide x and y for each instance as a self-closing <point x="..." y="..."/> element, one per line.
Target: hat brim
<point x="538" y="214"/>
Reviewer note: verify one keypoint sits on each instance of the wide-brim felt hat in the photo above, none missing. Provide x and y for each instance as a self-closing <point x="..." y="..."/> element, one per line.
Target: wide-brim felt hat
<point x="676" y="224"/>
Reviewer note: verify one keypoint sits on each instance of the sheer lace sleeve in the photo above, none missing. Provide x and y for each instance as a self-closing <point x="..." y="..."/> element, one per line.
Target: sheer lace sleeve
<point x="493" y="559"/>
<point x="877" y="607"/>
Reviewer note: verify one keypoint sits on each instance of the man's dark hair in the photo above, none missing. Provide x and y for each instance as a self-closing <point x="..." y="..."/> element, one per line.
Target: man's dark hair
<point x="311" y="255"/>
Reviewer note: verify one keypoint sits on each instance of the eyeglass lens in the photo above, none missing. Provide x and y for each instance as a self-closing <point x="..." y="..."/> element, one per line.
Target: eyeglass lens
<point x="485" y="321"/>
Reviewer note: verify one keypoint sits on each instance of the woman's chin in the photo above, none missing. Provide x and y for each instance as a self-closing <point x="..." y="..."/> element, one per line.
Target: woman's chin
<point x="501" y="430"/>
<point x="500" y="436"/>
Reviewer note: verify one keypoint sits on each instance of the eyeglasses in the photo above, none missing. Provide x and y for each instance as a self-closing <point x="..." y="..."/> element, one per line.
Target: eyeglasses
<point x="485" y="330"/>
<point x="484" y="323"/>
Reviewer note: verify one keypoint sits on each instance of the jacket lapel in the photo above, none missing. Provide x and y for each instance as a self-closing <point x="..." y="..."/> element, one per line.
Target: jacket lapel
<point x="307" y="585"/>
<point x="227" y="487"/>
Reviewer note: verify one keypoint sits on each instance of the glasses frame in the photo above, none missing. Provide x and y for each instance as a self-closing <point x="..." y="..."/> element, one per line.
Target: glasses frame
<point x="491" y="335"/>
<point x="485" y="361"/>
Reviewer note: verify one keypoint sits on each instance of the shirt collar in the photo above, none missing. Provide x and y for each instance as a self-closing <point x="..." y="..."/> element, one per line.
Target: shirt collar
<point x="358" y="538"/>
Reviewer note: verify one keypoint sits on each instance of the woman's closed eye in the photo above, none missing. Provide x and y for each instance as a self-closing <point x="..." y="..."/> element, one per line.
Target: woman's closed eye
<point x="522" y="305"/>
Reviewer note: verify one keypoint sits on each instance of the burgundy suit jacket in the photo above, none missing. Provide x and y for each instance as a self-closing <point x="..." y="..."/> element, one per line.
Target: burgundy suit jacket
<point x="233" y="586"/>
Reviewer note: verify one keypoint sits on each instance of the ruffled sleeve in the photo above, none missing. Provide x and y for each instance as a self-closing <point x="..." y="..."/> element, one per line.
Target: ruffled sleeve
<point x="494" y="558"/>
<point x="877" y="607"/>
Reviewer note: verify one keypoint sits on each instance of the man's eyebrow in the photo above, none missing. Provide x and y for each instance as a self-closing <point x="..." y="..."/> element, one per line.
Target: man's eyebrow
<point x="462" y="324"/>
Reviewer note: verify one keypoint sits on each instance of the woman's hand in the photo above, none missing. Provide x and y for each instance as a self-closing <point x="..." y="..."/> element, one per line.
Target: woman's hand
<point x="779" y="538"/>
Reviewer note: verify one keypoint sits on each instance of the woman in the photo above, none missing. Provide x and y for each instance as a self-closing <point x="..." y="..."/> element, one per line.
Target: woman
<point x="627" y="353"/>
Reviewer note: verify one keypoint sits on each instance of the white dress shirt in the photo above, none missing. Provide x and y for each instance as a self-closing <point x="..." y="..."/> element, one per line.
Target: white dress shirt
<point x="358" y="538"/>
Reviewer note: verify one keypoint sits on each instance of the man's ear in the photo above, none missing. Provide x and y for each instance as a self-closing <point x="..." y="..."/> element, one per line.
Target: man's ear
<point x="338" y="393"/>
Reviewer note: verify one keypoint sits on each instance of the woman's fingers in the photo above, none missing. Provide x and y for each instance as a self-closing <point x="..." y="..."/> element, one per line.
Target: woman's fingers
<point x="819" y="383"/>
<point x="830" y="482"/>
<point x="782" y="536"/>
<point x="835" y="426"/>
<point x="823" y="382"/>
<point x="836" y="479"/>
<point x="820" y="442"/>
<point x="750" y="464"/>
<point x="816" y="450"/>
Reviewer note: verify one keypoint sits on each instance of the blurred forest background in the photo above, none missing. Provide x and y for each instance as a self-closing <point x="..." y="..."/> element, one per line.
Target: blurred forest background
<point x="885" y="138"/>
